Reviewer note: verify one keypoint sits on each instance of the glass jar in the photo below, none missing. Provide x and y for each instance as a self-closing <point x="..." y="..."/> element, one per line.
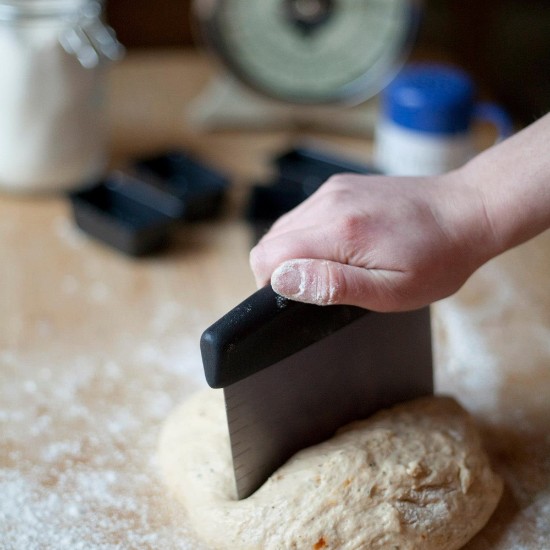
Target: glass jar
<point x="53" y="133"/>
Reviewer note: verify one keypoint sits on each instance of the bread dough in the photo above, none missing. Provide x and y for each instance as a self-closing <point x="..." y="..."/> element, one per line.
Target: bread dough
<point x="411" y="477"/>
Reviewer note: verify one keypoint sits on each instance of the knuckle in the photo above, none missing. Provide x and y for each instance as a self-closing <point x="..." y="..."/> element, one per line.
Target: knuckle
<point x="334" y="289"/>
<point x="335" y="181"/>
<point x="337" y="187"/>
<point x="349" y="226"/>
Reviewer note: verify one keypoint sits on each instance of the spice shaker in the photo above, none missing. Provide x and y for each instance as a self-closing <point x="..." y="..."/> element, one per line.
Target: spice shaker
<point x="428" y="113"/>
<point x="53" y="55"/>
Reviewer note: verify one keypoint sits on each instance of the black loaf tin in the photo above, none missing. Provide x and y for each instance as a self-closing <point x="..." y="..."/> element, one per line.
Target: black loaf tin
<point x="200" y="188"/>
<point x="135" y="209"/>
<point x="127" y="213"/>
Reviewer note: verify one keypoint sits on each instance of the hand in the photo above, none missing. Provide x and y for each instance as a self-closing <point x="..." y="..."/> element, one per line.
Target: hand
<point x="383" y="243"/>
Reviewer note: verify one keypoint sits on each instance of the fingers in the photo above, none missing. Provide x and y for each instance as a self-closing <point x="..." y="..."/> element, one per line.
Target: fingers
<point x="328" y="199"/>
<point x="305" y="214"/>
<point x="311" y="231"/>
<point x="271" y="252"/>
<point x="323" y="282"/>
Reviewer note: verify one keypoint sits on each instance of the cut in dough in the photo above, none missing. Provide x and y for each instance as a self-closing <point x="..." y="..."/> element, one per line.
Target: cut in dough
<point x="411" y="477"/>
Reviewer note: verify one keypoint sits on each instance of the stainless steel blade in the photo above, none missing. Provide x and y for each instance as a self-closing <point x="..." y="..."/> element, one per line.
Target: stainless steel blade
<point x="372" y="363"/>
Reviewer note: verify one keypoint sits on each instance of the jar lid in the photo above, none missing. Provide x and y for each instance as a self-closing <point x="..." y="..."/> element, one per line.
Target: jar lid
<point x="430" y="97"/>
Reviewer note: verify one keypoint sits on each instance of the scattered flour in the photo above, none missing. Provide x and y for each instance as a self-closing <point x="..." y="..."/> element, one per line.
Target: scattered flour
<point x="76" y="461"/>
<point x="493" y="356"/>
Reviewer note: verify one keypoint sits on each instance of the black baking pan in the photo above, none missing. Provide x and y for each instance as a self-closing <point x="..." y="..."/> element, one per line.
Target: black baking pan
<point x="200" y="188"/>
<point x="126" y="213"/>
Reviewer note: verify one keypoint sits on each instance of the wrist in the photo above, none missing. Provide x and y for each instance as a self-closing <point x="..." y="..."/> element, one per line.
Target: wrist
<point x="513" y="182"/>
<point x="469" y="219"/>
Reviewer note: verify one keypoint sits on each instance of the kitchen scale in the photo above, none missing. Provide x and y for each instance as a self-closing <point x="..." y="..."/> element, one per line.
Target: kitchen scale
<point x="301" y="62"/>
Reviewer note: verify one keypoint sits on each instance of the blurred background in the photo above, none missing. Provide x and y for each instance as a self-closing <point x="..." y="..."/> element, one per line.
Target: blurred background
<point x="505" y="44"/>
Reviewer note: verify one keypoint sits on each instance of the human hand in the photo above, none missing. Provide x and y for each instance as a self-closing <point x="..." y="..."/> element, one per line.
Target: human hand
<point x="382" y="243"/>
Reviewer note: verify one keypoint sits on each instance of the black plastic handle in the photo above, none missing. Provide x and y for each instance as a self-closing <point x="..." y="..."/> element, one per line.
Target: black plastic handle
<point x="263" y="330"/>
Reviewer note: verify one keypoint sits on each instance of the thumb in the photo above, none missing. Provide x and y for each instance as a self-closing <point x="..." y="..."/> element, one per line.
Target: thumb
<point x="324" y="282"/>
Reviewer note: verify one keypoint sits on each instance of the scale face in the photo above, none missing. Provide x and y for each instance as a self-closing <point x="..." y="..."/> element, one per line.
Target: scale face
<point x="311" y="51"/>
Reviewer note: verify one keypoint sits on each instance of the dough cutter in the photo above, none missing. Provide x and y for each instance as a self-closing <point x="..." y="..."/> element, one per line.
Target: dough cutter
<point x="293" y="373"/>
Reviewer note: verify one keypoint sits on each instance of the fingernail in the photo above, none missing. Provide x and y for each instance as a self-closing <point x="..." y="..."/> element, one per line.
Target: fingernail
<point x="288" y="280"/>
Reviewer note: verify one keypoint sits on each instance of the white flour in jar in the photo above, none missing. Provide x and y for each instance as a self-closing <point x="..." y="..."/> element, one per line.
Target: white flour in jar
<point x="52" y="128"/>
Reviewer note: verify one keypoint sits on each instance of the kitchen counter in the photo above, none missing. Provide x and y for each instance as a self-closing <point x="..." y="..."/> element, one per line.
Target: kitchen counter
<point x="96" y="348"/>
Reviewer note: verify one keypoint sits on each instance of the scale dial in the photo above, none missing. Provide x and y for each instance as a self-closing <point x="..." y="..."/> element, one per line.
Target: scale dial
<point x="310" y="51"/>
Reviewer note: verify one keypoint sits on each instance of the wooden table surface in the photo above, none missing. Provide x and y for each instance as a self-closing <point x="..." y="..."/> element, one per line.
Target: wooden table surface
<point x="96" y="349"/>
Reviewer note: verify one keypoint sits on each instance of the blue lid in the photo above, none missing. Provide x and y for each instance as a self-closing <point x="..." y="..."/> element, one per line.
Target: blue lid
<point x="430" y="98"/>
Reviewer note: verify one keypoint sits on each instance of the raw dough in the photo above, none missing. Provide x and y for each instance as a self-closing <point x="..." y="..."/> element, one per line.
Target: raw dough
<point x="411" y="477"/>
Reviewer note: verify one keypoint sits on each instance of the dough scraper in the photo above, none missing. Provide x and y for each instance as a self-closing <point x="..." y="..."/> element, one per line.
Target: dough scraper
<point x="293" y="373"/>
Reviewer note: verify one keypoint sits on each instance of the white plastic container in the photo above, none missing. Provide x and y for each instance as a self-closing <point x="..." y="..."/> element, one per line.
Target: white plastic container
<point x="52" y="111"/>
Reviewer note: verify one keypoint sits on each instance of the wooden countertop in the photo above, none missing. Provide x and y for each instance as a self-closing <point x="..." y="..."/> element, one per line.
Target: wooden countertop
<point x="96" y="349"/>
